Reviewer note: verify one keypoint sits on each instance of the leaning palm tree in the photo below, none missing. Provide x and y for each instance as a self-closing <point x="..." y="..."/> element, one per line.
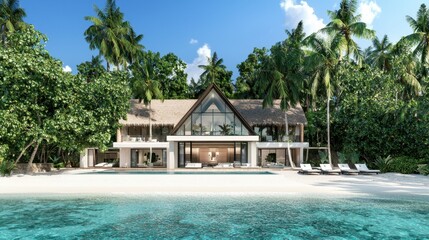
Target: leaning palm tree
<point x="11" y="18"/>
<point x="345" y="23"/>
<point x="322" y="62"/>
<point x="146" y="85"/>
<point x="280" y="76"/>
<point x="420" y="37"/>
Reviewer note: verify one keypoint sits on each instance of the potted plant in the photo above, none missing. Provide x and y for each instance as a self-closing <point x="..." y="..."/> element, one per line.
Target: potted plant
<point x="225" y="129"/>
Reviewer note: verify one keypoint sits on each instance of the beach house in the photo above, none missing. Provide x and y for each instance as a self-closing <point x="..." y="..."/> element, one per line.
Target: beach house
<point x="211" y="131"/>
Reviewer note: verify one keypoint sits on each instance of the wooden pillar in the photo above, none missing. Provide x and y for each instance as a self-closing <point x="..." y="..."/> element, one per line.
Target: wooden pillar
<point x="301" y="130"/>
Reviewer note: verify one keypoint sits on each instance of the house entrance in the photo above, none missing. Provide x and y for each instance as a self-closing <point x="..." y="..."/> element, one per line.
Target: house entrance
<point x="212" y="153"/>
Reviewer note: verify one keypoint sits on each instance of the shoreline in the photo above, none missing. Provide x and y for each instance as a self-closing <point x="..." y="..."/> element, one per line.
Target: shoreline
<point x="73" y="182"/>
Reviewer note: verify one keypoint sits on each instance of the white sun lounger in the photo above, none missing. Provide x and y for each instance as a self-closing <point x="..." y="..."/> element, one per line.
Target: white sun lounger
<point x="194" y="165"/>
<point x="364" y="169"/>
<point x="306" y="168"/>
<point x="102" y="164"/>
<point x="345" y="169"/>
<point x="327" y="168"/>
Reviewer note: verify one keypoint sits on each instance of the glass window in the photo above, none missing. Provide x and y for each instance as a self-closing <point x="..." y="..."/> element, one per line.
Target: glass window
<point x="213" y="117"/>
<point x="196" y="124"/>
<point x="207" y="124"/>
<point x="187" y="125"/>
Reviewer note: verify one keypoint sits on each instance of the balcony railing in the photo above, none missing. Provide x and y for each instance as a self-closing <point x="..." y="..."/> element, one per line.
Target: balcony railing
<point x="140" y="138"/>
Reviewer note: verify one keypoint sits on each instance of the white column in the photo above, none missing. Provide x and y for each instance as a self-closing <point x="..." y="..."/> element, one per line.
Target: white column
<point x="301" y="155"/>
<point x="253" y="154"/>
<point x="171" y="156"/>
<point x="125" y="157"/>
<point x="84" y="158"/>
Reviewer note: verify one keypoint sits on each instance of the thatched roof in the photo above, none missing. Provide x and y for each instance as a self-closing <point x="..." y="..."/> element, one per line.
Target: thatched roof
<point x="170" y="112"/>
<point x="255" y="115"/>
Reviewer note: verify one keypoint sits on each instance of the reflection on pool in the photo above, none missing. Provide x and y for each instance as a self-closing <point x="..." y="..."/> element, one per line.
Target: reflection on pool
<point x="199" y="172"/>
<point x="212" y="217"/>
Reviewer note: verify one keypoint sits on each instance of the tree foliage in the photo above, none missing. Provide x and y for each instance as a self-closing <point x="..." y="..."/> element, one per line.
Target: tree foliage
<point x="215" y="73"/>
<point x="113" y="36"/>
<point x="41" y="103"/>
<point x="11" y="18"/>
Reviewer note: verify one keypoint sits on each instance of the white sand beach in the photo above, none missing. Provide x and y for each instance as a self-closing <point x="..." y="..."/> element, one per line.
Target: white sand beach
<point x="285" y="182"/>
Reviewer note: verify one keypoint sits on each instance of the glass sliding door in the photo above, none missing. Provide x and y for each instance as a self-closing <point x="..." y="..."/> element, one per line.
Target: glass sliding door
<point x="212" y="153"/>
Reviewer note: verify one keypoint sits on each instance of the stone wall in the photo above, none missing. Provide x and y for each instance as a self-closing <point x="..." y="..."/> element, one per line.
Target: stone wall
<point x="21" y="168"/>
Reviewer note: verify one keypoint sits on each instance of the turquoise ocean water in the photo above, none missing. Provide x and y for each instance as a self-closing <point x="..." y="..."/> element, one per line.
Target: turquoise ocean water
<point x="212" y="217"/>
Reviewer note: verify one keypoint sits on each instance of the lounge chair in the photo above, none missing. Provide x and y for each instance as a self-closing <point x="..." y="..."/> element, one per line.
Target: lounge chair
<point x="327" y="169"/>
<point x="102" y="164"/>
<point x="194" y="165"/>
<point x="306" y="168"/>
<point x="364" y="169"/>
<point x="109" y="165"/>
<point x="345" y="169"/>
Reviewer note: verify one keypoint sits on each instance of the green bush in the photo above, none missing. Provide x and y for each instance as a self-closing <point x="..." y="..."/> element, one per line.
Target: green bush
<point x="383" y="164"/>
<point x="405" y="165"/>
<point x="6" y="168"/>
<point x="423" y="169"/>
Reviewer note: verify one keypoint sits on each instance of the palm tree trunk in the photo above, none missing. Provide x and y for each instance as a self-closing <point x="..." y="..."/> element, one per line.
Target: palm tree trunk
<point x="30" y="162"/>
<point x="287" y="141"/>
<point x="328" y="131"/>
<point x="150" y="131"/>
<point x="23" y="151"/>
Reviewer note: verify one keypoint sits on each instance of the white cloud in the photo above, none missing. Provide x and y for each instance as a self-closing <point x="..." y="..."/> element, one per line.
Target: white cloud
<point x="368" y="10"/>
<point x="192" y="69"/>
<point x="67" y="68"/>
<point x="193" y="41"/>
<point x="302" y="11"/>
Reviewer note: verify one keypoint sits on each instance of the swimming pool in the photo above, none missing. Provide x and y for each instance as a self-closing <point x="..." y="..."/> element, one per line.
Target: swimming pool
<point x="197" y="172"/>
<point x="212" y="217"/>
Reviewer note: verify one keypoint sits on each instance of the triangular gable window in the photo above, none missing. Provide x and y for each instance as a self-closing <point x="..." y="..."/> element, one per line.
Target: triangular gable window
<point x="212" y="116"/>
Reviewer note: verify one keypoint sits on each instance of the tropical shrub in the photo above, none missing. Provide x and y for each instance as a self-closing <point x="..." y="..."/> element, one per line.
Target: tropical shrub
<point x="405" y="165"/>
<point x="382" y="164"/>
<point x="423" y="169"/>
<point x="6" y="167"/>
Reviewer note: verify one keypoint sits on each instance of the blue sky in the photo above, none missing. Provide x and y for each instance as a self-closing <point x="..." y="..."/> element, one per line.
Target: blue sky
<point x="193" y="29"/>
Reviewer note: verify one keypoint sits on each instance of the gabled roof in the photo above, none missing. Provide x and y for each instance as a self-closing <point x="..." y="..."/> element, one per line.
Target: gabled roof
<point x="170" y="111"/>
<point x="227" y="102"/>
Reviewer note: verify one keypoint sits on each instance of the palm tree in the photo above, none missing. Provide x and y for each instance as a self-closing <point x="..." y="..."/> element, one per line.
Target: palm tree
<point x="346" y="24"/>
<point x="323" y="62"/>
<point x="135" y="50"/>
<point x="212" y="69"/>
<point x="380" y="54"/>
<point x="112" y="36"/>
<point x="280" y="76"/>
<point x="146" y="85"/>
<point x="420" y="37"/>
<point x="405" y="68"/>
<point x="11" y="17"/>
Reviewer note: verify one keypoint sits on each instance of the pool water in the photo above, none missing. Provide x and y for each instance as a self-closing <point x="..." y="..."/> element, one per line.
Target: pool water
<point x="199" y="172"/>
<point x="211" y="217"/>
